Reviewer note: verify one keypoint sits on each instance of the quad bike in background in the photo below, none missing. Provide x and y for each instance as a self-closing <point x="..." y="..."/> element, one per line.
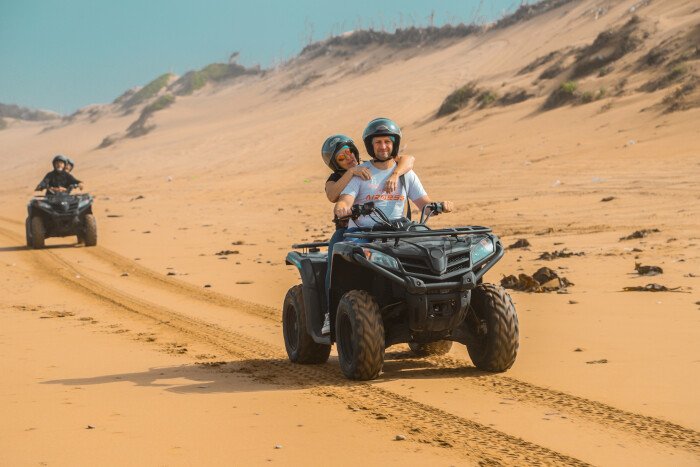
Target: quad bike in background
<point x="60" y="215"/>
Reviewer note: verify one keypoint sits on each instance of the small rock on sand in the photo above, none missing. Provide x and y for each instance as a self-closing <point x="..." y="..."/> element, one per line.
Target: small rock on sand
<point x="647" y="270"/>
<point x="520" y="243"/>
<point x="399" y="438"/>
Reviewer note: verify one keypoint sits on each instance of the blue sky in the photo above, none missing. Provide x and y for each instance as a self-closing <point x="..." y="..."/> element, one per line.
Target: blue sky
<point x="64" y="54"/>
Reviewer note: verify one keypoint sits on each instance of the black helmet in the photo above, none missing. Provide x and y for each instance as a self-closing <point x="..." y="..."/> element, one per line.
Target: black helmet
<point x="382" y="127"/>
<point x="332" y="145"/>
<point x="70" y="162"/>
<point x="59" y="157"/>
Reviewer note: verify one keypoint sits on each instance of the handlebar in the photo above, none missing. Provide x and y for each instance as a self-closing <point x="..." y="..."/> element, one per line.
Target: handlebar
<point x="367" y="209"/>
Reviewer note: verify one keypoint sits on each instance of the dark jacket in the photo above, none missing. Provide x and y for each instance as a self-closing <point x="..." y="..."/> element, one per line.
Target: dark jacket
<point x="57" y="178"/>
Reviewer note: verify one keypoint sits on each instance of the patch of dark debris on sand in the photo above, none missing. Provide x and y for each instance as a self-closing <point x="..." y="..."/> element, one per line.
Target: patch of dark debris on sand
<point x="564" y="253"/>
<point x="543" y="280"/>
<point x="227" y="252"/>
<point x="639" y="234"/>
<point x="647" y="270"/>
<point x="652" y="288"/>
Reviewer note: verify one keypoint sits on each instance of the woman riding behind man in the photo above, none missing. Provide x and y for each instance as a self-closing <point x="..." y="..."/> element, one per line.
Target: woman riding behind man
<point x="341" y="155"/>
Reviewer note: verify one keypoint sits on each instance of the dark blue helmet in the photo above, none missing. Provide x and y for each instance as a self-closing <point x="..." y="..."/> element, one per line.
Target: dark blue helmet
<point x="382" y="127"/>
<point x="59" y="157"/>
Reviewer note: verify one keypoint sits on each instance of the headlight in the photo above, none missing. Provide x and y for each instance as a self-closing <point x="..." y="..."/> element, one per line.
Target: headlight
<point x="481" y="250"/>
<point x="380" y="258"/>
<point x="83" y="202"/>
<point x="45" y="205"/>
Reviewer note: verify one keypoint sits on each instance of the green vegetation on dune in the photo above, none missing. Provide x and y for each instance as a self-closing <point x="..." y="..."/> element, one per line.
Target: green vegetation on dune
<point x="148" y="91"/>
<point x="216" y="72"/>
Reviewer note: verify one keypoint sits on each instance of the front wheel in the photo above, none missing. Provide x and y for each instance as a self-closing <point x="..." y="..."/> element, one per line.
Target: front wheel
<point x="28" y="231"/>
<point x="432" y="348"/>
<point x="301" y="348"/>
<point x="359" y="331"/>
<point x="492" y="329"/>
<point x="90" y="237"/>
<point x="37" y="227"/>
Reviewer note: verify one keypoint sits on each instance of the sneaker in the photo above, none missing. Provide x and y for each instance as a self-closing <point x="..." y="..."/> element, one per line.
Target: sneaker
<point x="326" y="328"/>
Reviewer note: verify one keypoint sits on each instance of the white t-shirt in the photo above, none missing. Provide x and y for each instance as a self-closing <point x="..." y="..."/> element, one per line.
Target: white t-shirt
<point x="391" y="204"/>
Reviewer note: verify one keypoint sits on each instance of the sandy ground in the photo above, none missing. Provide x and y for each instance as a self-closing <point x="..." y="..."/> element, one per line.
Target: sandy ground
<point x="166" y="371"/>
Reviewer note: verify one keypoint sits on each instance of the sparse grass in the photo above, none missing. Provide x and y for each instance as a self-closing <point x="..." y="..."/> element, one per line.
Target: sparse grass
<point x="486" y="98"/>
<point x="606" y="70"/>
<point x="586" y="97"/>
<point x="148" y="91"/>
<point x="679" y="98"/>
<point x="458" y="99"/>
<point x="216" y="72"/>
<point x="164" y="101"/>
<point x="569" y="87"/>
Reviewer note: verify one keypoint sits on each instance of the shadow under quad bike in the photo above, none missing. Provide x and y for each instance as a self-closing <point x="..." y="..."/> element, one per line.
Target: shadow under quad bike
<point x="60" y="215"/>
<point x="406" y="283"/>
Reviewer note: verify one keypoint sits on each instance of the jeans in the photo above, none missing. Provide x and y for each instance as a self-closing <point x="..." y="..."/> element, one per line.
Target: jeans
<point x="338" y="237"/>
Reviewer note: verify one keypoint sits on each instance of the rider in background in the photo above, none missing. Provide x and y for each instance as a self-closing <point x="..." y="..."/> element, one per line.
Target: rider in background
<point x="58" y="180"/>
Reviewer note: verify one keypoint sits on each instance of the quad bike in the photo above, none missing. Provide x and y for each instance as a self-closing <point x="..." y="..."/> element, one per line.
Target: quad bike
<point x="60" y="215"/>
<point x="406" y="284"/>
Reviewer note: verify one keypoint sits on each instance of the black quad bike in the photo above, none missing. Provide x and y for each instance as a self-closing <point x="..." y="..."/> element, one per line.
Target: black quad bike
<point x="60" y="215"/>
<point x="407" y="284"/>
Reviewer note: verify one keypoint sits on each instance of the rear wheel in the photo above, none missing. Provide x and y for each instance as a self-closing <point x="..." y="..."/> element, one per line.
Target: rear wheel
<point x="359" y="330"/>
<point x="90" y="230"/>
<point x="492" y="329"/>
<point x="301" y="348"/>
<point x="432" y="348"/>
<point x="37" y="227"/>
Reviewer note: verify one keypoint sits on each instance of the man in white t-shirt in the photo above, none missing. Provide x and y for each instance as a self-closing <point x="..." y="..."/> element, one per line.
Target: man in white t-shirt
<point x="382" y="138"/>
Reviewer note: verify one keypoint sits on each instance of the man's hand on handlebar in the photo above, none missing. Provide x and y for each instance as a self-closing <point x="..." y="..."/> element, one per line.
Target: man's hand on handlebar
<point x="448" y="206"/>
<point x="342" y="212"/>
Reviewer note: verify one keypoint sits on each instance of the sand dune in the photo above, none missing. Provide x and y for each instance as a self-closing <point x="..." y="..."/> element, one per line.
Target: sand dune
<point x="169" y="371"/>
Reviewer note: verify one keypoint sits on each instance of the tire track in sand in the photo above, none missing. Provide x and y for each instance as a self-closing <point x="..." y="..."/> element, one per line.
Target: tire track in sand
<point x="430" y="425"/>
<point x="643" y="426"/>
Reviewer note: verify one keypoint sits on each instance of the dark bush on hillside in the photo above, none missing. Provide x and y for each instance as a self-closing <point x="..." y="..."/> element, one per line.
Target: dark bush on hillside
<point x="140" y="127"/>
<point x="458" y="99"/>
<point x="24" y="113"/>
<point x="538" y="62"/>
<point x="608" y="47"/>
<point x="525" y="12"/>
<point x="400" y="39"/>
<point x="562" y="95"/>
<point x="514" y="97"/>
<point x="553" y="70"/>
<point x="3" y="124"/>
